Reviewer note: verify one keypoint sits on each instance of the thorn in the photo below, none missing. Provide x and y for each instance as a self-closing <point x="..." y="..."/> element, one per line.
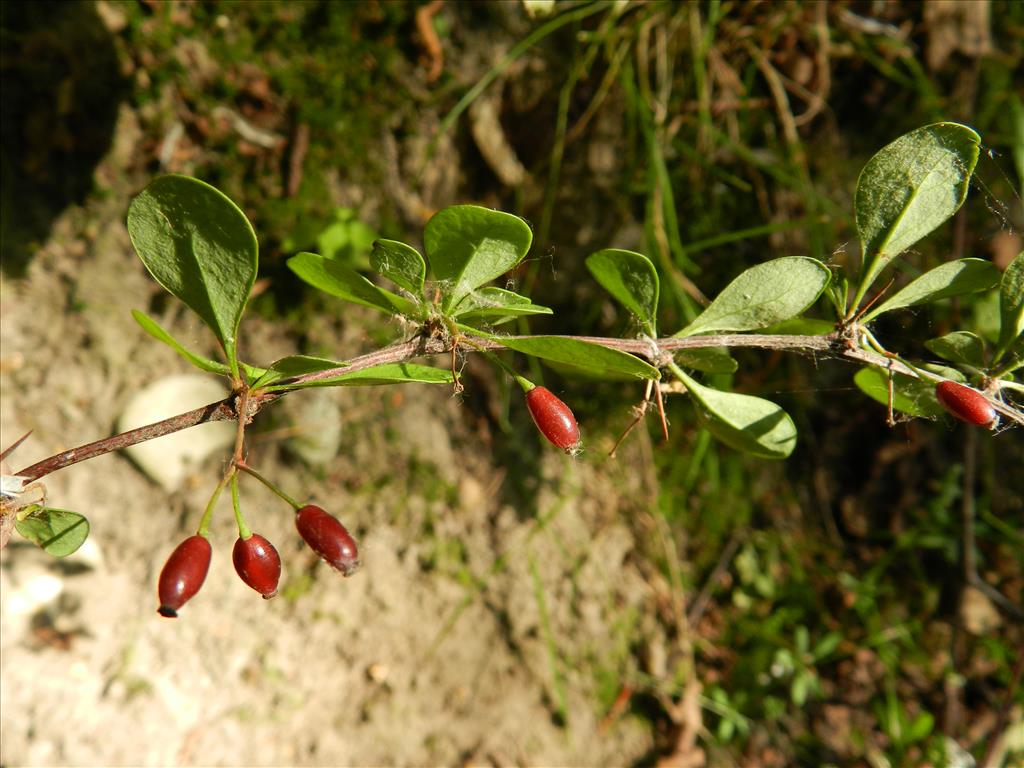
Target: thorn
<point x="661" y="411"/>
<point x="10" y="449"/>
<point x="871" y="302"/>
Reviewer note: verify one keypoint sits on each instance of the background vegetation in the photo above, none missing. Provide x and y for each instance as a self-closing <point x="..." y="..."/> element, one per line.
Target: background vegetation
<point x="812" y="611"/>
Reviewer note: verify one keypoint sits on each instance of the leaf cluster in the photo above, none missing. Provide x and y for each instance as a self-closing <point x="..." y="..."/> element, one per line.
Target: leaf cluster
<point x="200" y="246"/>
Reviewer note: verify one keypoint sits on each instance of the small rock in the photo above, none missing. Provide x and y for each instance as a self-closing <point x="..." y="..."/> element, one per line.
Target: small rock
<point x="316" y="425"/>
<point x="167" y="460"/>
<point x="980" y="617"/>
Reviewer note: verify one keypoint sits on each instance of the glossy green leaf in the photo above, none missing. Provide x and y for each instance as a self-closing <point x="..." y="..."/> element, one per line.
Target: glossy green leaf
<point x="576" y="373"/>
<point x="59" y="532"/>
<point x="495" y="305"/>
<point x="1011" y="305"/>
<point x="400" y="263"/>
<point x="199" y="246"/>
<point x="839" y="290"/>
<point x="749" y="424"/>
<point x="580" y="354"/>
<point x="801" y="326"/>
<point x="631" y="279"/>
<point x="960" y="347"/>
<point x="912" y="396"/>
<point x="388" y="373"/>
<point x="335" y="278"/>
<point x="468" y="246"/>
<point x="708" y="360"/>
<point x="909" y="188"/>
<point x="252" y="372"/>
<point x="763" y="295"/>
<point x="295" y="365"/>
<point x="954" y="278"/>
<point x="150" y="326"/>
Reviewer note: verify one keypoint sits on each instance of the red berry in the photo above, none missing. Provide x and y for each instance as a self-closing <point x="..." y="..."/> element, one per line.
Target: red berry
<point x="183" y="574"/>
<point x="257" y="564"/>
<point x="328" y="538"/>
<point x="965" y="403"/>
<point x="553" y="418"/>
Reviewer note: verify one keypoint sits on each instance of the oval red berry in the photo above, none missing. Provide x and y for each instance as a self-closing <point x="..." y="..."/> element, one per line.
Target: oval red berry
<point x="257" y="564"/>
<point x="965" y="403"/>
<point x="328" y="538"/>
<point x="183" y="574"/>
<point x="553" y="418"/>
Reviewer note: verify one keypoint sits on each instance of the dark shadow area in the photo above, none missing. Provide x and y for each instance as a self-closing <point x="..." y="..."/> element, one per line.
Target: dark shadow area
<point x="61" y="88"/>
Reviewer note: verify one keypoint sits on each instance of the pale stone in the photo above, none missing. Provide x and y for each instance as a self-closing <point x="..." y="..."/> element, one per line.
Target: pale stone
<point x="168" y="460"/>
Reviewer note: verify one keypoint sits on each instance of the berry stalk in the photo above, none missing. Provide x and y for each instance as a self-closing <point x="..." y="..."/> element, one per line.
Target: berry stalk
<point x="249" y="470"/>
<point x="243" y="529"/>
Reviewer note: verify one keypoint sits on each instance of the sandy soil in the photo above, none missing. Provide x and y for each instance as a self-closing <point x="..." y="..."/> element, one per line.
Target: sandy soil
<point x="474" y="625"/>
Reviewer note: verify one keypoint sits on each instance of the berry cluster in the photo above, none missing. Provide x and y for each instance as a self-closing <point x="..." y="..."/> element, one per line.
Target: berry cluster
<point x="256" y="560"/>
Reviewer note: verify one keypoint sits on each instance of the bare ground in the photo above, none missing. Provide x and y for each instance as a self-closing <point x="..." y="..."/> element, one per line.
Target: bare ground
<point x="473" y="627"/>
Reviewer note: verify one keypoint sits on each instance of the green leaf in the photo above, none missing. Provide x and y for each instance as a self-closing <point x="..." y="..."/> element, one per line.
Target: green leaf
<point x="827" y="645"/>
<point x="920" y="728"/>
<point x="801" y="687"/>
<point x="908" y="189"/>
<point x="58" y="531"/>
<point x="150" y="326"/>
<point x="295" y="365"/>
<point x="335" y="278"/>
<point x="252" y="372"/>
<point x="708" y="360"/>
<point x="763" y="295"/>
<point x="631" y="279"/>
<point x="495" y="306"/>
<point x="199" y="246"/>
<point x="960" y="347"/>
<point x="388" y="373"/>
<point x="801" y="326"/>
<point x="744" y="422"/>
<point x="581" y="354"/>
<point x="400" y="263"/>
<point x="954" y="278"/>
<point x="1011" y="305"/>
<point x="346" y="239"/>
<point x="343" y="237"/>
<point x="912" y="396"/>
<point x="468" y="246"/>
<point x="574" y="372"/>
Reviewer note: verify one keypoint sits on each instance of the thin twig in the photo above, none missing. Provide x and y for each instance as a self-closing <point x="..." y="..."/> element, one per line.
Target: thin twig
<point x="433" y="52"/>
<point x="638" y="414"/>
<point x="222" y="410"/>
<point x="1008" y="607"/>
<point x="819" y="97"/>
<point x="833" y="345"/>
<point x="297" y="158"/>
